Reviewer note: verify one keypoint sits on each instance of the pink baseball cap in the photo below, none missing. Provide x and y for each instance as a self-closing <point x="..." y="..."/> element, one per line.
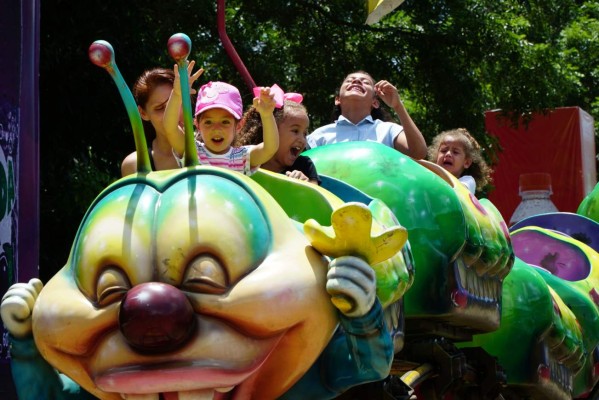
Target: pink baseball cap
<point x="219" y="95"/>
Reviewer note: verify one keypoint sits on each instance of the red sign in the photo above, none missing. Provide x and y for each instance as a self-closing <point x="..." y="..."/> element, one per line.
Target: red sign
<point x="560" y="143"/>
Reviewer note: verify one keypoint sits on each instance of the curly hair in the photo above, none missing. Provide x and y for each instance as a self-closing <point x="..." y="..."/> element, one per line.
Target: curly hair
<point x="479" y="169"/>
<point x="251" y="124"/>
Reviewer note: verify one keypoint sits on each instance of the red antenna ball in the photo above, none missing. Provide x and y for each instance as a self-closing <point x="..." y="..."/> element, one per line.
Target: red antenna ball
<point x="179" y="46"/>
<point x="101" y="53"/>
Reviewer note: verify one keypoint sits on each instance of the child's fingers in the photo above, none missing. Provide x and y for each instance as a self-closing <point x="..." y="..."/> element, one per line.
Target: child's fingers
<point x="265" y="91"/>
<point x="265" y="101"/>
<point x="266" y="94"/>
<point x="297" y="175"/>
<point x="197" y="74"/>
<point x="382" y="86"/>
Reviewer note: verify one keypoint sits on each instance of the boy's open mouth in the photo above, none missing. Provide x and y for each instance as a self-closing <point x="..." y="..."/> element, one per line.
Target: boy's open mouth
<point x="355" y="88"/>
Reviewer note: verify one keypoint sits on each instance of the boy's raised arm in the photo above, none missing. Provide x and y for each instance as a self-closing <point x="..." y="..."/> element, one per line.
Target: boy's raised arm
<point x="412" y="142"/>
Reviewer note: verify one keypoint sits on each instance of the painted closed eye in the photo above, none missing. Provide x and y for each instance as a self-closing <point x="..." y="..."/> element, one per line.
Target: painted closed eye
<point x="205" y="274"/>
<point x="112" y="286"/>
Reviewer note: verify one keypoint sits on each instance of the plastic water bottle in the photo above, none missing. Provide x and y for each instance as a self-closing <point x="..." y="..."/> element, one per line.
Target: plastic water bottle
<point x="535" y="190"/>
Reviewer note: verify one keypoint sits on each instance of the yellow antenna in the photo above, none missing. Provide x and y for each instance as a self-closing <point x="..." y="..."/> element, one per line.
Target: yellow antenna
<point x="377" y="9"/>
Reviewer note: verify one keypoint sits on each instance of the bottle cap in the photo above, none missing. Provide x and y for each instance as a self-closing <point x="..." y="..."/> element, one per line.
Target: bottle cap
<point x="535" y="181"/>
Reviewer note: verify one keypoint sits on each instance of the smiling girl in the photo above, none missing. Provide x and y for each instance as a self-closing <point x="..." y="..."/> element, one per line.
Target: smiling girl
<point x="217" y="113"/>
<point x="292" y="123"/>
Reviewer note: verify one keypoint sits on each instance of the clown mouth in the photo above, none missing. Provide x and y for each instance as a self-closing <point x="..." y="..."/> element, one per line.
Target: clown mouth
<point x="200" y="370"/>
<point x="188" y="383"/>
<point x="208" y="394"/>
<point x="187" y="379"/>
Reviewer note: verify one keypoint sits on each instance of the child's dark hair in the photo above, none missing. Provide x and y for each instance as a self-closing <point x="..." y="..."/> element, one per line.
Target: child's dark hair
<point x="147" y="82"/>
<point x="479" y="169"/>
<point x="251" y="123"/>
<point x="376" y="113"/>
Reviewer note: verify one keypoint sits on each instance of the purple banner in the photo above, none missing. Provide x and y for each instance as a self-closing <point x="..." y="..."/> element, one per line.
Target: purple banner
<point x="19" y="155"/>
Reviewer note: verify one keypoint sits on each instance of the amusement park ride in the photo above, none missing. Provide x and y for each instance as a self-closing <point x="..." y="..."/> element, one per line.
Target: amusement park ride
<point x="202" y="283"/>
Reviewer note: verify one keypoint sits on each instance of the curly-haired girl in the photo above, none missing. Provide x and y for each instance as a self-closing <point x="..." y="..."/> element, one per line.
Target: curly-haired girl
<point x="292" y="122"/>
<point x="460" y="154"/>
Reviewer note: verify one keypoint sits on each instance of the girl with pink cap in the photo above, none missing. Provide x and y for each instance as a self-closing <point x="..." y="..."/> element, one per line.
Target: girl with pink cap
<point x="217" y="113"/>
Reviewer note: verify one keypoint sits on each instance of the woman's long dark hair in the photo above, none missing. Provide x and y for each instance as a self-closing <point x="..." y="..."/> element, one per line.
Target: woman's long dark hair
<point x="143" y="88"/>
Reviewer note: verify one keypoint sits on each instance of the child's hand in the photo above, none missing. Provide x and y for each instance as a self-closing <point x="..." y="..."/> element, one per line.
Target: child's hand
<point x="265" y="104"/>
<point x="388" y="93"/>
<point x="191" y="78"/>
<point x="297" y="175"/>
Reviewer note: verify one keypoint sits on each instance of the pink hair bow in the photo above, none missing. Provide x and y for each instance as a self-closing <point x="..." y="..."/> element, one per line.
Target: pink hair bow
<point x="280" y="95"/>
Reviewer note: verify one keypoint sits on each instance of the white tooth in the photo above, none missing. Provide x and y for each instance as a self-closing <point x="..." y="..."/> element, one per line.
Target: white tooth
<point x="149" y="396"/>
<point x="224" y="390"/>
<point x="205" y="394"/>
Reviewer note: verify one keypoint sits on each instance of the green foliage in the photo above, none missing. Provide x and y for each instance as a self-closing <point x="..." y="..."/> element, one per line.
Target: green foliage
<point x="451" y="60"/>
<point x="67" y="190"/>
